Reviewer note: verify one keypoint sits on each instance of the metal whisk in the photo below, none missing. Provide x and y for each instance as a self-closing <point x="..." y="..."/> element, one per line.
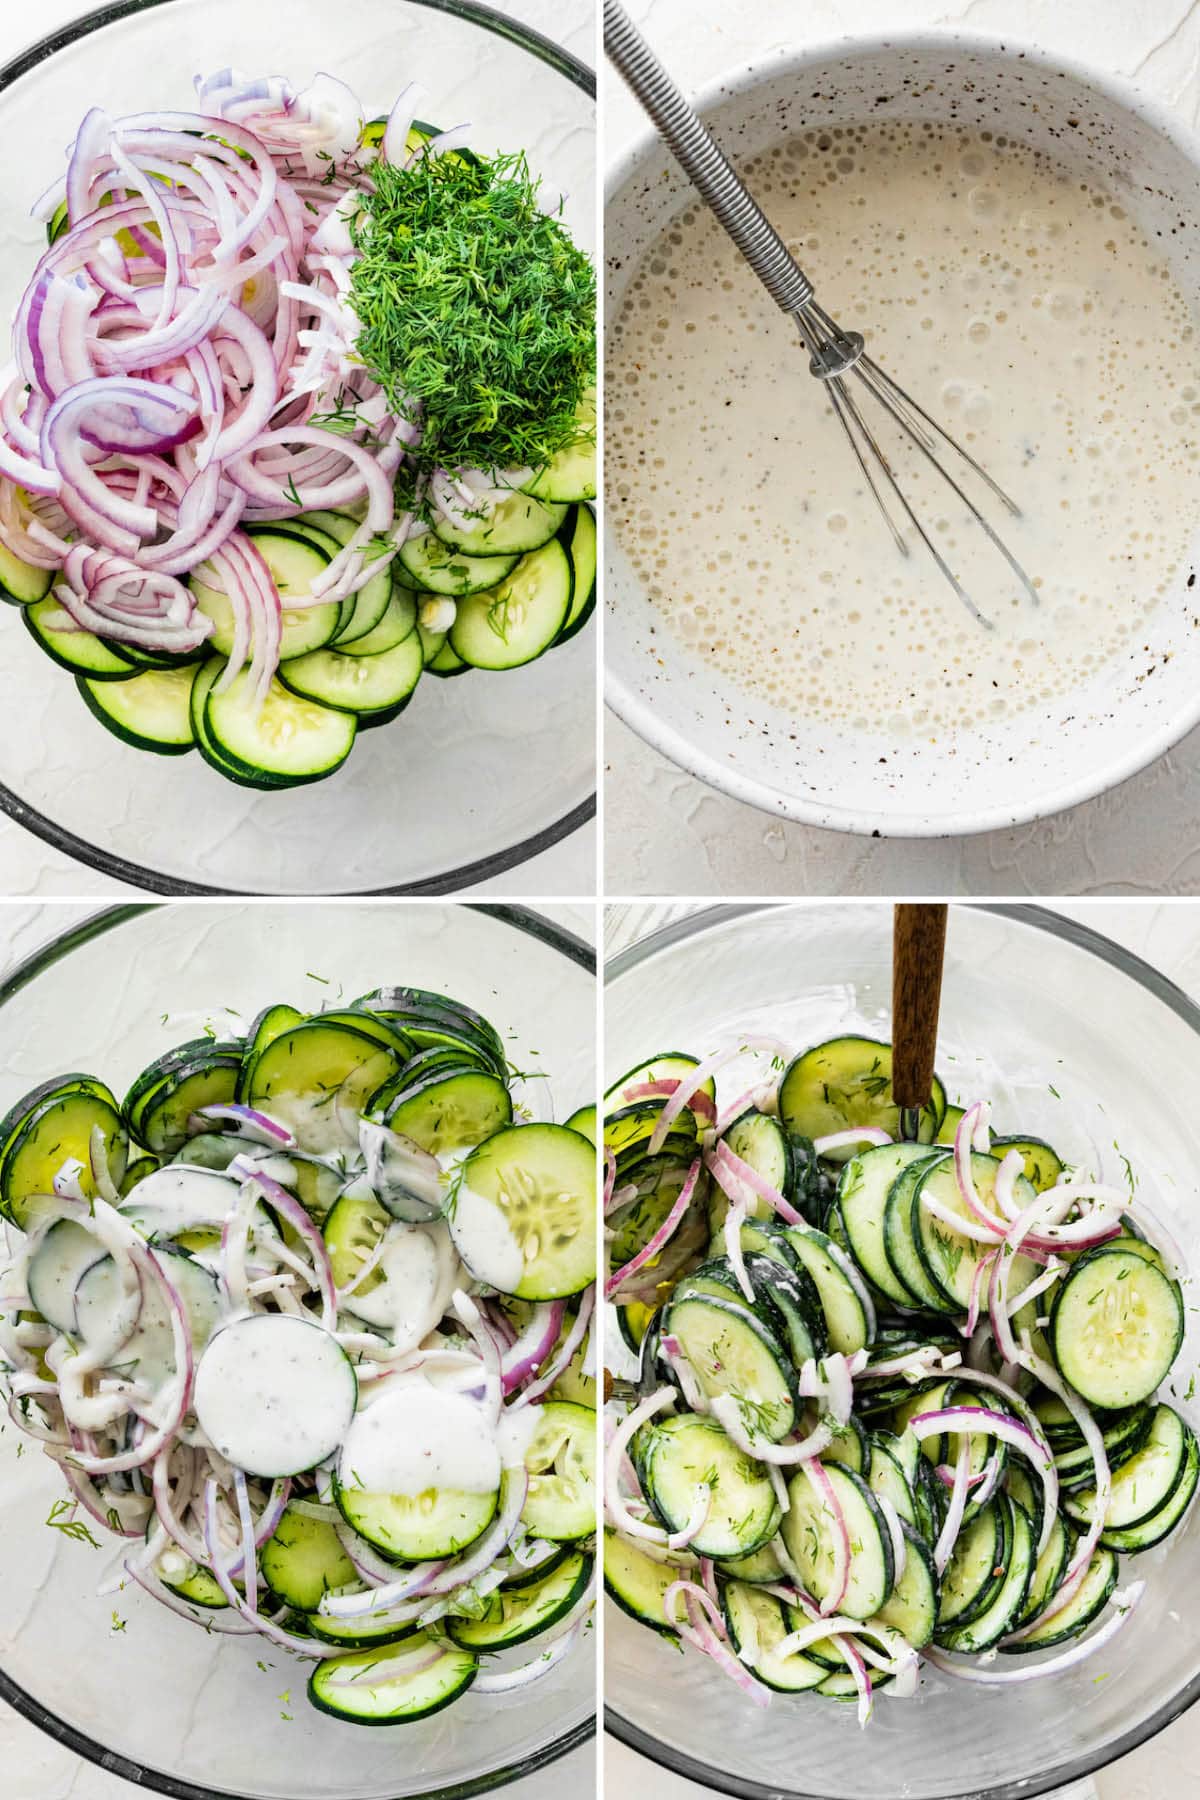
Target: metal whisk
<point x="834" y="353"/>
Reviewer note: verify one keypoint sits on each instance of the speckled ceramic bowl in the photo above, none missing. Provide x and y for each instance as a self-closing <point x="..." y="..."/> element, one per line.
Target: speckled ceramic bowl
<point x="1002" y="772"/>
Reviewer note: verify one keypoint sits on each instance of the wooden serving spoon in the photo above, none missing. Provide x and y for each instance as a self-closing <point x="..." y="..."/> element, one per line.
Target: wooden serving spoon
<point x="918" y="955"/>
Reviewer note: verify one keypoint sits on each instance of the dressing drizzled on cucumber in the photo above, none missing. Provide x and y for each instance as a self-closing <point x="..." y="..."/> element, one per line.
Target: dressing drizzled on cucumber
<point x="245" y="1314"/>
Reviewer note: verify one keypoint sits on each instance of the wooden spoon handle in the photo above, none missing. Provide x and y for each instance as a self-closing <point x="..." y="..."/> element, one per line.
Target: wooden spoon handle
<point x="918" y="952"/>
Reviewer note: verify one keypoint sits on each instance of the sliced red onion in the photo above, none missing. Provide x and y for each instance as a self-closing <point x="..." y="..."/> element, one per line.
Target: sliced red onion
<point x="725" y="1410"/>
<point x="689" y="1384"/>
<point x="844" y="1140"/>
<point x="394" y="145"/>
<point x="311" y="1648"/>
<point x="1124" y="1601"/>
<point x="699" y="1102"/>
<point x="614" y="1457"/>
<point x="972" y="1420"/>
<point x="735" y="1218"/>
<point x="570" y="1344"/>
<point x="289" y="1208"/>
<point x="722" y="1158"/>
<point x="827" y="1495"/>
<point x="509" y="1681"/>
<point x="175" y="1411"/>
<point x="661" y="1237"/>
<point x="523" y="1358"/>
<point x="952" y="1524"/>
<point x="983" y="1267"/>
<point x="256" y="1125"/>
<point x="896" y="1533"/>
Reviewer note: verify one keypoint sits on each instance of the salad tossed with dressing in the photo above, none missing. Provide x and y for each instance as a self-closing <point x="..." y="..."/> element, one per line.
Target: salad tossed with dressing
<point x="895" y="1402"/>
<point x="300" y="406"/>
<point x="306" y="1322"/>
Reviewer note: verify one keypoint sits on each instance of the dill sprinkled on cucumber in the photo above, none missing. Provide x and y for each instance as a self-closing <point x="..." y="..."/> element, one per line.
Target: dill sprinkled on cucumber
<point x="477" y="310"/>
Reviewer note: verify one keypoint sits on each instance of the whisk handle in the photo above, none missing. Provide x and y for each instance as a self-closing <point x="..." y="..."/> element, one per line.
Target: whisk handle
<point x="703" y="161"/>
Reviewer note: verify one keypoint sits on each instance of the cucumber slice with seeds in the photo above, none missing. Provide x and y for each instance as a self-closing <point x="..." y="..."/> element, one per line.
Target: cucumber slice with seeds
<point x="513" y="622"/>
<point x="312" y="1074"/>
<point x="397" y="622"/>
<point x="356" y="684"/>
<point x="449" y="1113"/>
<point x="150" y="711"/>
<point x="948" y="1257"/>
<point x="757" y="1626"/>
<point x="516" y="526"/>
<point x="1116" y="1326"/>
<point x="687" y="1451"/>
<point x="844" y="1082"/>
<point x="561" y="1464"/>
<point x="523" y="1216"/>
<point x="287" y="741"/>
<point x="55" y="1130"/>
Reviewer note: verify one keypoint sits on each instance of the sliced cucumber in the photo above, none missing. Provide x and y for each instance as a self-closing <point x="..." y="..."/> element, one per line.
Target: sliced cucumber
<point x="304" y="1560"/>
<point x="1142" y="1485"/>
<point x="844" y="1082"/>
<point x="413" y="1527"/>
<point x="637" y="1582"/>
<point x="516" y="1614"/>
<point x="439" y="569"/>
<point x="398" y="621"/>
<point x="976" y="1568"/>
<point x="584" y="1121"/>
<point x="377" y="1686"/>
<point x="1086" y="1604"/>
<point x="364" y="610"/>
<point x="757" y="1626"/>
<point x="21" y="582"/>
<point x="246" y="1384"/>
<point x="911" y="1607"/>
<point x="56" y="1268"/>
<point x="150" y="711"/>
<point x="846" y="1320"/>
<point x="862" y="1196"/>
<point x="356" y="684"/>
<point x="761" y="1141"/>
<point x="80" y="651"/>
<point x="517" y="620"/>
<point x="523" y="1216"/>
<point x="295" y="563"/>
<point x="56" y="1128"/>
<point x="986" y="1628"/>
<point x="579" y="534"/>
<point x="808" y="1532"/>
<point x="514" y="527"/>
<point x="1153" y="1530"/>
<point x="733" y="1353"/>
<point x="1116" y="1326"/>
<point x="287" y="741"/>
<point x="948" y="1257"/>
<point x="1048" y="1573"/>
<point x="560" y="1461"/>
<point x="571" y="472"/>
<point x="449" y="1112"/>
<point x="899" y="1247"/>
<point x="686" y="1452"/>
<point x="159" y="1115"/>
<point x="188" y="1579"/>
<point x="1043" y="1165"/>
<point x="311" y="1074"/>
<point x="148" y="1353"/>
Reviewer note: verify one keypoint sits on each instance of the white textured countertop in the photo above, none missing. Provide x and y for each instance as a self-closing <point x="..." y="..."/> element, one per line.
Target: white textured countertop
<point x="667" y="833"/>
<point x="1167" y="1768"/>
<point x="29" y="866"/>
<point x="34" y="1766"/>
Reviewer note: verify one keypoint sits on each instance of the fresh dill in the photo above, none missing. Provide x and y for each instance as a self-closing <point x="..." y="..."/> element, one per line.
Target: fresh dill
<point x="477" y="313"/>
<point x="70" y="1527"/>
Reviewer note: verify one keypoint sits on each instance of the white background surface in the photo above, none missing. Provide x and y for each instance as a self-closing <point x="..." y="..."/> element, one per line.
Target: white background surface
<point x="1168" y="1768"/>
<point x="666" y="833"/>
<point x="27" y="865"/>
<point x="33" y="1766"/>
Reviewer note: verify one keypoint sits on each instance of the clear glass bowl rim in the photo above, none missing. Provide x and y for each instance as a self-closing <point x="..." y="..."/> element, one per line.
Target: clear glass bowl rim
<point x="95" y="856"/>
<point x="1084" y="937"/>
<point x="520" y="918"/>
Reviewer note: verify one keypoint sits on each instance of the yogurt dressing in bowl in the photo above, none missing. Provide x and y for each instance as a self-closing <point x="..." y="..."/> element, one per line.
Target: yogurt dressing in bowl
<point x="1028" y="310"/>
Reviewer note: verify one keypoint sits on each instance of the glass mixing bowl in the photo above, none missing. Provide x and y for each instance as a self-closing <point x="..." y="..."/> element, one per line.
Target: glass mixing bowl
<point x="1031" y="1004"/>
<point x="161" y="1702"/>
<point x="480" y="773"/>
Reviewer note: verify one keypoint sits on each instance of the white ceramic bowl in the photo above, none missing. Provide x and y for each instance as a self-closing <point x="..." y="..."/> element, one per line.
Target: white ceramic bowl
<point x="1004" y="771"/>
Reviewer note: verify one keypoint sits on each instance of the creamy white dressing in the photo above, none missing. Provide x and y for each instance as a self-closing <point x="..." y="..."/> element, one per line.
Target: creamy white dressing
<point x="485" y="1240"/>
<point x="416" y="1279"/>
<point x="178" y="1198"/>
<point x="274" y="1394"/>
<point x="415" y="1437"/>
<point x="1027" y="310"/>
